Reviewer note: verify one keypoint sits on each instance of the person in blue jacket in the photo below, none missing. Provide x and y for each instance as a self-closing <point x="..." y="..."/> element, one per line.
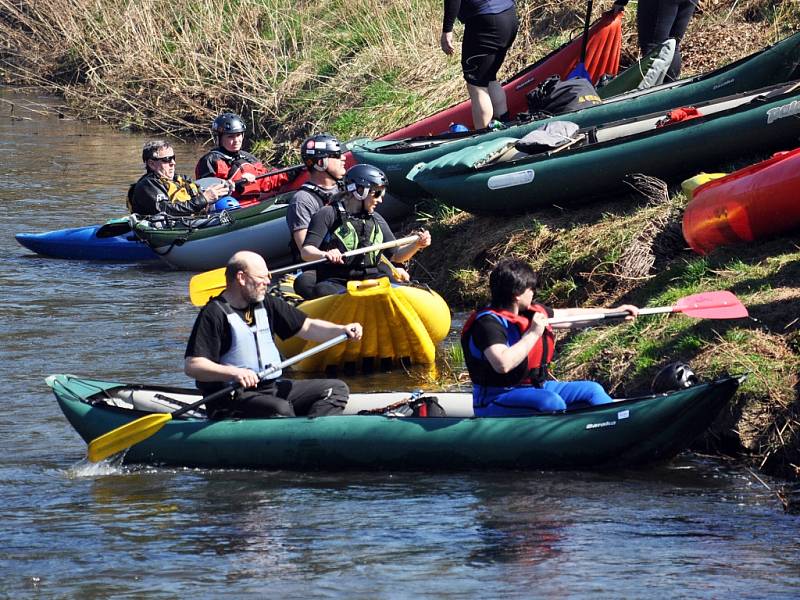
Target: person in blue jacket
<point x="508" y="347"/>
<point x="490" y="27"/>
<point x="660" y="20"/>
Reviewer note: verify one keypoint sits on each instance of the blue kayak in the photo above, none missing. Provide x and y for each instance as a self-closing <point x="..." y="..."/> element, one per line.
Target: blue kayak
<point x="113" y="241"/>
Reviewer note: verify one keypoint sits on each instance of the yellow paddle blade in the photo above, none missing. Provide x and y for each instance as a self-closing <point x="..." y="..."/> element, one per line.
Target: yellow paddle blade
<point x="126" y="436"/>
<point x="206" y="285"/>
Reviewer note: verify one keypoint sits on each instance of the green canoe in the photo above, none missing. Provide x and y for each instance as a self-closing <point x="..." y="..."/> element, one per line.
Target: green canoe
<point x="200" y="244"/>
<point x="773" y="65"/>
<point x="497" y="178"/>
<point x="625" y="433"/>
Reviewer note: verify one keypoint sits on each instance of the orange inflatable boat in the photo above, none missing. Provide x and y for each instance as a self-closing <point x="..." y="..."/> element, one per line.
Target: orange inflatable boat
<point x="750" y="204"/>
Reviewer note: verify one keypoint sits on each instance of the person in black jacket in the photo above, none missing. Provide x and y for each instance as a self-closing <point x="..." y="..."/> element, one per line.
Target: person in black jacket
<point x="160" y="190"/>
<point x="660" y="20"/>
<point x="490" y="27"/>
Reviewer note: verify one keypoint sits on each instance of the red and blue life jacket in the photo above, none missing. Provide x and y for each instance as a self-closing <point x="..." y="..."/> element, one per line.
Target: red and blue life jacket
<point x="534" y="372"/>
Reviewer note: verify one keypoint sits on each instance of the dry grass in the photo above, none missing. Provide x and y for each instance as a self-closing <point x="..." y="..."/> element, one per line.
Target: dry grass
<point x="354" y="68"/>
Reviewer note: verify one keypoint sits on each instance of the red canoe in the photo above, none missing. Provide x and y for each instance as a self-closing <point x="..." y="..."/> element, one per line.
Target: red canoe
<point x="750" y="204"/>
<point x="602" y="56"/>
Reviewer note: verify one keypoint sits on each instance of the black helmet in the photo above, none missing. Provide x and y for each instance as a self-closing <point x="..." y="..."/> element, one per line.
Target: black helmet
<point x="675" y="376"/>
<point x="365" y="177"/>
<point x="227" y="123"/>
<point x="320" y="146"/>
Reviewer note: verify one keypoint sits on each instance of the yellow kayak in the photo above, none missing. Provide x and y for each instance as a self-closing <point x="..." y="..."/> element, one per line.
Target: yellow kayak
<point x="401" y="323"/>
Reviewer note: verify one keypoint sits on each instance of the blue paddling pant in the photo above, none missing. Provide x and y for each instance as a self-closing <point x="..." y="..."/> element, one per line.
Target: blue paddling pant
<point x="529" y="400"/>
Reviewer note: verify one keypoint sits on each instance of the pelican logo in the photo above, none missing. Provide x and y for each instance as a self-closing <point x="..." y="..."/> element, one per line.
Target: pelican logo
<point x="781" y="112"/>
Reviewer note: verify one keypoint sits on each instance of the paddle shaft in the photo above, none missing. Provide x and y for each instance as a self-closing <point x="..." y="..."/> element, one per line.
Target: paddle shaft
<point x="279" y="171"/>
<point x="271" y="369"/>
<point x="585" y="40"/>
<point x="708" y="305"/>
<point x="356" y="252"/>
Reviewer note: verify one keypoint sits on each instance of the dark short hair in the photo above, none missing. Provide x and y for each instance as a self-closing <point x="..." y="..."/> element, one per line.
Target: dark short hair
<point x="151" y="147"/>
<point x="233" y="267"/>
<point x="511" y="277"/>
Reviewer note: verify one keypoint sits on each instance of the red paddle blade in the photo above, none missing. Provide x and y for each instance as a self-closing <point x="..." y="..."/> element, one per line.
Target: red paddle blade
<point x="711" y="305"/>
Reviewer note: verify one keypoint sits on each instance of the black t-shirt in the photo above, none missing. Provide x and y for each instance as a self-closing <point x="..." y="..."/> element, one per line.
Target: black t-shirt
<point x="211" y="335"/>
<point x="488" y="331"/>
<point x="324" y="220"/>
<point x="323" y="223"/>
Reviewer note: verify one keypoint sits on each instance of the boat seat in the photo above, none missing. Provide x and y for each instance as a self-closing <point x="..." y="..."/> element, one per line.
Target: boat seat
<point x="155" y="402"/>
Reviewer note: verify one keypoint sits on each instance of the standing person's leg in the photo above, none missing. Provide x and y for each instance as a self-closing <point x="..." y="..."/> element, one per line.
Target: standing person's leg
<point x="315" y="397"/>
<point x="680" y="25"/>
<point x="507" y="25"/>
<point x="656" y="21"/>
<point x="589" y="392"/>
<point x="499" y="101"/>
<point x="483" y="50"/>
<point x="482" y="109"/>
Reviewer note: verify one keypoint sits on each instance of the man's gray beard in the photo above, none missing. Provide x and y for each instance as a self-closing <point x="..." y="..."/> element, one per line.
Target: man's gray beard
<point x="255" y="298"/>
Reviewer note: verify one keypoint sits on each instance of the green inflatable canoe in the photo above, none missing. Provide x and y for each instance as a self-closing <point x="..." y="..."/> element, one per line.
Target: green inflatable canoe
<point x="503" y="177"/>
<point x="200" y="244"/>
<point x="773" y="65"/>
<point x="625" y="433"/>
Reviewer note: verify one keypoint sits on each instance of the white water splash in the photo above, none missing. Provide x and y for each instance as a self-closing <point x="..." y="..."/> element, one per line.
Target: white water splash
<point x="86" y="468"/>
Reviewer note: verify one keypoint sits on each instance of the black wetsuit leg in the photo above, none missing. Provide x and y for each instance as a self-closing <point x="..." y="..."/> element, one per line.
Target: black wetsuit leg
<point x="659" y="20"/>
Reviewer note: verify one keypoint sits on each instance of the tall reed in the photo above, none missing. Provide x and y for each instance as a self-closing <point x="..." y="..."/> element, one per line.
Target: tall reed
<point x="356" y="67"/>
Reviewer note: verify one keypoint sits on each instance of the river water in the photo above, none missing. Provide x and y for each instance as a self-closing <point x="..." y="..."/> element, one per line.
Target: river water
<point x="696" y="527"/>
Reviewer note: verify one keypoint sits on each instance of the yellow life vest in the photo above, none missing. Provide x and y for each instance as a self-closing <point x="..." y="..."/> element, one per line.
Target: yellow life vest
<point x="180" y="189"/>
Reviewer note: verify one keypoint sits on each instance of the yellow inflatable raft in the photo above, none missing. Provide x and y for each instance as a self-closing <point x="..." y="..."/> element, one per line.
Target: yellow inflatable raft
<point x="401" y="323"/>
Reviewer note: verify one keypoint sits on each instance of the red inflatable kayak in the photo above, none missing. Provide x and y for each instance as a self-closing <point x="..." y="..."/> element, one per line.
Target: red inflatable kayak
<point x="602" y="56"/>
<point x="750" y="204"/>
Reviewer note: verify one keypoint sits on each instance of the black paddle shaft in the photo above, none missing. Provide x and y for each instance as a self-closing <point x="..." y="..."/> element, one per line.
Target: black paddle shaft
<point x="585" y="41"/>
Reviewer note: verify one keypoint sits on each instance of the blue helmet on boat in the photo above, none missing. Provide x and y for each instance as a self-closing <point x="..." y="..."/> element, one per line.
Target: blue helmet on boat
<point x="226" y="203"/>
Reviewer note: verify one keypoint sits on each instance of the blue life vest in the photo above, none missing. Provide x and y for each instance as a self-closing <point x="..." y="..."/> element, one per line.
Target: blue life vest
<point x="252" y="347"/>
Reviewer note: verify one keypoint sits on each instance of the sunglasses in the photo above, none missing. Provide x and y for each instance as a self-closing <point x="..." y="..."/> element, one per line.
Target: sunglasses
<point x="376" y="193"/>
<point x="164" y="159"/>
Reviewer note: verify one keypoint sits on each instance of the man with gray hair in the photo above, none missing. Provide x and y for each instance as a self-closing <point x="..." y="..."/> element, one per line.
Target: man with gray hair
<point x="160" y="190"/>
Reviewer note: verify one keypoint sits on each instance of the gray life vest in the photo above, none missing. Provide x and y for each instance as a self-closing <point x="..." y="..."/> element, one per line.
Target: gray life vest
<point x="252" y="347"/>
